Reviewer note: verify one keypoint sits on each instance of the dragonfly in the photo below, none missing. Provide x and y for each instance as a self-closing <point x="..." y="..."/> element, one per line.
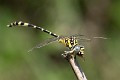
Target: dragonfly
<point x="71" y="42"/>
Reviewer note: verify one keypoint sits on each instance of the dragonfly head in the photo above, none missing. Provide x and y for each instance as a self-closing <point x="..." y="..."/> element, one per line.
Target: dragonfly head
<point x="79" y="50"/>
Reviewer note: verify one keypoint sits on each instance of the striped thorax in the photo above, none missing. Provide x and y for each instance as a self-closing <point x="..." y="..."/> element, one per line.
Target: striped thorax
<point x="68" y="41"/>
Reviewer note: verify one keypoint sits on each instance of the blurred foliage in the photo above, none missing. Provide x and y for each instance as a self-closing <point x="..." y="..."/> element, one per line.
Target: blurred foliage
<point x="64" y="17"/>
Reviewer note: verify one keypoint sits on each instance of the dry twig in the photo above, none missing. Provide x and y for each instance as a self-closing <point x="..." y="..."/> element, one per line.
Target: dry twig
<point x="75" y="66"/>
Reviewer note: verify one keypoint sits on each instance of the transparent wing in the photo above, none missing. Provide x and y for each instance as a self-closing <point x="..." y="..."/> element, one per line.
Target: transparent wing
<point x="77" y="35"/>
<point x="82" y="38"/>
<point x="44" y="43"/>
<point x="100" y="38"/>
<point x="74" y="35"/>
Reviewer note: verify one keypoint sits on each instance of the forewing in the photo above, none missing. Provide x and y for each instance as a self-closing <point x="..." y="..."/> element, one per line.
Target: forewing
<point x="44" y="43"/>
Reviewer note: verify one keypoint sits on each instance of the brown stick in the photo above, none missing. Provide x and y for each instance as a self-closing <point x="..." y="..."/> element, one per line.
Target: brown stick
<point x="76" y="68"/>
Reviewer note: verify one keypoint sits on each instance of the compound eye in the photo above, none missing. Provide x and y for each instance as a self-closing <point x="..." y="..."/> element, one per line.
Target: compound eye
<point x="77" y="48"/>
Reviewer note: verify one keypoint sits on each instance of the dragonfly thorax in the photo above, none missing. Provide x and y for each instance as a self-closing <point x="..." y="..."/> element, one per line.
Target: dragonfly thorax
<point x="69" y="42"/>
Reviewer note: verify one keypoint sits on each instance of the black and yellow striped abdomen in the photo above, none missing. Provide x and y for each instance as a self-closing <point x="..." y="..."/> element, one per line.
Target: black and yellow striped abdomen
<point x="20" y="23"/>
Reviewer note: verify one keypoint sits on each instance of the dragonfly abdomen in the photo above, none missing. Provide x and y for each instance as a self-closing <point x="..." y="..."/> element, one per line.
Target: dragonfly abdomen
<point x="20" y="23"/>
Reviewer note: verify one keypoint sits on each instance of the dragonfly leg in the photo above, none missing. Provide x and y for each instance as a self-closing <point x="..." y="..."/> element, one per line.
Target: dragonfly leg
<point x="68" y="54"/>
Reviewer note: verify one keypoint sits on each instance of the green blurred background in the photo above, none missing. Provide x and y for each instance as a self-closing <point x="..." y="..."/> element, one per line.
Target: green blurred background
<point x="64" y="17"/>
